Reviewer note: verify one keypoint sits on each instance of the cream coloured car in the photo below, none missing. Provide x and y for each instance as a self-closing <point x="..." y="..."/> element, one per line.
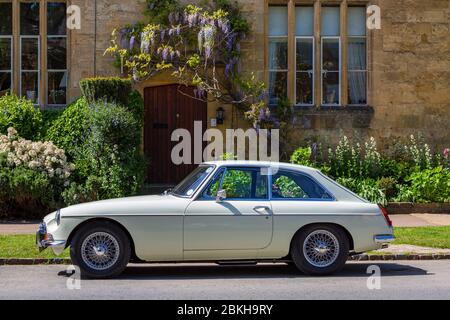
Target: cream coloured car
<point x="224" y="212"/>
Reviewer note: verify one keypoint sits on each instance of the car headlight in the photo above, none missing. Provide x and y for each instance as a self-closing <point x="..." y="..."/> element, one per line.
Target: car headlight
<point x="58" y="217"/>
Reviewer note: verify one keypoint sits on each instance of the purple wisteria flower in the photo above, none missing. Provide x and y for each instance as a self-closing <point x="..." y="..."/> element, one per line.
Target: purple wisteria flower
<point x="123" y="38"/>
<point x="165" y="54"/>
<point x="132" y="42"/>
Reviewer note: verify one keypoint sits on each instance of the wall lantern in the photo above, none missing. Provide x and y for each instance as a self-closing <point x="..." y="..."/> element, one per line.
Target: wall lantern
<point x="220" y="115"/>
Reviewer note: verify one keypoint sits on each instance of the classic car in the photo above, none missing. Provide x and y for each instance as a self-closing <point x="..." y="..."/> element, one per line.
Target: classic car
<point x="223" y="212"/>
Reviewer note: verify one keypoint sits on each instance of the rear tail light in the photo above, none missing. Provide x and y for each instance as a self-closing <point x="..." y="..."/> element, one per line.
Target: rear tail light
<point x="386" y="215"/>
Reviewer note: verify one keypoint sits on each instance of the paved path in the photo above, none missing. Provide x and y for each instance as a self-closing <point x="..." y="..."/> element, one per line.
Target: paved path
<point x="420" y="220"/>
<point x="18" y="228"/>
<point x="401" y="220"/>
<point x="402" y="280"/>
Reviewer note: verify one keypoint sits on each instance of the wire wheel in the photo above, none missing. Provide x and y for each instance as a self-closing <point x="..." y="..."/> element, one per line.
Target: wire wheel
<point x="321" y="248"/>
<point x="100" y="251"/>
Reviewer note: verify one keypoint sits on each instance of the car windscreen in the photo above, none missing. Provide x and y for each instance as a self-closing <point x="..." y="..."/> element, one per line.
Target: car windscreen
<point x="191" y="183"/>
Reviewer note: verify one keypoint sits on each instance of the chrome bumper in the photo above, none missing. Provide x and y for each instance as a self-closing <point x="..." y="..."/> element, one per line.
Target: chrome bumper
<point x="45" y="240"/>
<point x="384" y="238"/>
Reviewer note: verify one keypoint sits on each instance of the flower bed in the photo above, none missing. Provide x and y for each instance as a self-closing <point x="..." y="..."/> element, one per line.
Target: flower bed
<point x="406" y="172"/>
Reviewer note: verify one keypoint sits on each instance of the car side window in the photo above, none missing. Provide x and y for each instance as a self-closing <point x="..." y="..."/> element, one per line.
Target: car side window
<point x="211" y="191"/>
<point x="290" y="185"/>
<point x="239" y="183"/>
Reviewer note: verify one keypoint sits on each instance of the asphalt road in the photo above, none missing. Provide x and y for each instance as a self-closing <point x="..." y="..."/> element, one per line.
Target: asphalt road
<point x="399" y="280"/>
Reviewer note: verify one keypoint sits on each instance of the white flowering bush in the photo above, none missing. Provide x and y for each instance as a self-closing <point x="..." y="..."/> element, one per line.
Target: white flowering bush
<point x="40" y="156"/>
<point x="33" y="176"/>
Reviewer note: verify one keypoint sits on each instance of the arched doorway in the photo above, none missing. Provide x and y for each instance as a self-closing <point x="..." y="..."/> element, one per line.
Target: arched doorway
<point x="167" y="109"/>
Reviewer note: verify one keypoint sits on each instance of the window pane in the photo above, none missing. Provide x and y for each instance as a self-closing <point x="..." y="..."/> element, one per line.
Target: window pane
<point x="238" y="184"/>
<point x="29" y="18"/>
<point x="261" y="186"/>
<point x="304" y="54"/>
<point x="357" y="54"/>
<point x="278" y="21"/>
<point x="56" y="53"/>
<point x="5" y="54"/>
<point x="330" y="25"/>
<point x="330" y="51"/>
<point x="30" y="86"/>
<point x="357" y="88"/>
<point x="304" y="89"/>
<point x="5" y="82"/>
<point x="211" y="192"/>
<point x="6" y="18"/>
<point x="30" y="54"/>
<point x="277" y="87"/>
<point x="296" y="186"/>
<point x="304" y="21"/>
<point x="356" y="21"/>
<point x="331" y="88"/>
<point x="56" y="18"/>
<point x="57" y="85"/>
<point x="278" y="51"/>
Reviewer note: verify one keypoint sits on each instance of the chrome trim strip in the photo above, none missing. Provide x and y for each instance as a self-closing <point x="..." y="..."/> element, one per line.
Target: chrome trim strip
<point x="384" y="238"/>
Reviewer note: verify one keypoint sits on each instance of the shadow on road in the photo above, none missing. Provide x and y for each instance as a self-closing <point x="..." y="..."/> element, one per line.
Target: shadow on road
<point x="190" y="272"/>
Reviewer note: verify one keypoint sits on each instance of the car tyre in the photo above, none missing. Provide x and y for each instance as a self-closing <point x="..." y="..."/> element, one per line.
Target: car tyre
<point x="101" y="250"/>
<point x="320" y="250"/>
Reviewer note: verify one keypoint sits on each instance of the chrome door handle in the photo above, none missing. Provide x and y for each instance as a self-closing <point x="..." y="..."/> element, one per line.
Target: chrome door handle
<point x="261" y="209"/>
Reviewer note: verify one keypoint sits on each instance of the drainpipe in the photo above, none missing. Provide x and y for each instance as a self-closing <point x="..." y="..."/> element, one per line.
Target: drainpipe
<point x="95" y="38"/>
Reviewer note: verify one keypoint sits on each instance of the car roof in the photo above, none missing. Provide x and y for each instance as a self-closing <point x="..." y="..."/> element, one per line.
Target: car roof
<point x="250" y="163"/>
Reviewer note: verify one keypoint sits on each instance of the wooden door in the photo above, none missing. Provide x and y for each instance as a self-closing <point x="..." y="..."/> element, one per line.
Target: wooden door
<point x="167" y="109"/>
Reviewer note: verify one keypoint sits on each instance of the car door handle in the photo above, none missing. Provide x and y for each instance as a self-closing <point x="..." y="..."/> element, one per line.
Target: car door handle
<point x="262" y="209"/>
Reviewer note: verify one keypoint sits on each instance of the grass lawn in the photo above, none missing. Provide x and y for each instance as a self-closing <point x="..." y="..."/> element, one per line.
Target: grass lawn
<point x="433" y="237"/>
<point x="23" y="246"/>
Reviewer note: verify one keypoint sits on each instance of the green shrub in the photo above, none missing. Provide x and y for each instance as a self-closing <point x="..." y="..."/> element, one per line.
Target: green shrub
<point x="431" y="185"/>
<point x="354" y="161"/>
<point x="21" y="114"/>
<point x="110" y="163"/>
<point x="404" y="194"/>
<point x="33" y="176"/>
<point x="136" y="106"/>
<point x="114" y="90"/>
<point x="388" y="186"/>
<point x="71" y="129"/>
<point x="398" y="170"/>
<point x="48" y="119"/>
<point x="367" y="189"/>
<point x="302" y="156"/>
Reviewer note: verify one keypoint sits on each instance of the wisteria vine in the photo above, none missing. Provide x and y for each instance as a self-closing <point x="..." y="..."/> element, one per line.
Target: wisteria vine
<point x="200" y="46"/>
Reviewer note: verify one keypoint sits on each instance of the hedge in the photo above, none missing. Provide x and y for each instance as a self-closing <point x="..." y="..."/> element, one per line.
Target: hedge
<point x="114" y="90"/>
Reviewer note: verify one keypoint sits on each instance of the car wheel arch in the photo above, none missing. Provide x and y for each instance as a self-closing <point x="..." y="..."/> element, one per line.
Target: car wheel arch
<point x="115" y="222"/>
<point x="348" y="234"/>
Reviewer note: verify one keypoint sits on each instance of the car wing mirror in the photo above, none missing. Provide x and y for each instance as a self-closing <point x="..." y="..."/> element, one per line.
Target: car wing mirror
<point x="221" y="195"/>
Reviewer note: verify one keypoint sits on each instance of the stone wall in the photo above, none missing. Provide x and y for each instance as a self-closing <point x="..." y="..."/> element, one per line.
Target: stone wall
<point x="409" y="69"/>
<point x="88" y="44"/>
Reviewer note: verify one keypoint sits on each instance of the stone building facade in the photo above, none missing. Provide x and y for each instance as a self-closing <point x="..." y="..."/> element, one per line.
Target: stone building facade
<point x="407" y="69"/>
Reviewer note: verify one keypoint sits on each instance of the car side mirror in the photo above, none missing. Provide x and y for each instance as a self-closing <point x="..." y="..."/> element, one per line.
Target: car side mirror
<point x="221" y="195"/>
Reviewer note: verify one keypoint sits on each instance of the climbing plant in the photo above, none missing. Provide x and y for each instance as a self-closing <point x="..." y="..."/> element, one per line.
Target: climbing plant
<point x="200" y="45"/>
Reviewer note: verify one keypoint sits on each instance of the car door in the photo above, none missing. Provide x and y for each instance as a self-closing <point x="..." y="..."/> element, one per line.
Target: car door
<point x="241" y="221"/>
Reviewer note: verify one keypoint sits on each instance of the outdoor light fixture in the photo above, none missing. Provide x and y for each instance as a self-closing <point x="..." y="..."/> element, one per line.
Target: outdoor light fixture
<point x="220" y="115"/>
